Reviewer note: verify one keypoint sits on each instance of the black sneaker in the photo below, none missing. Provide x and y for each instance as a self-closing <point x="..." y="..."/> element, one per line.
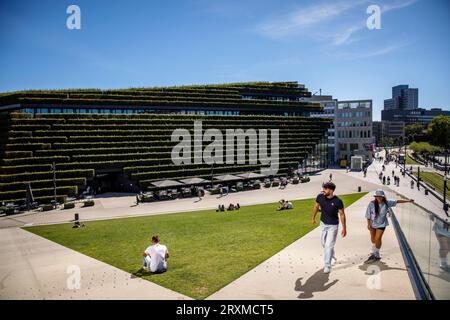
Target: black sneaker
<point x="372" y="258"/>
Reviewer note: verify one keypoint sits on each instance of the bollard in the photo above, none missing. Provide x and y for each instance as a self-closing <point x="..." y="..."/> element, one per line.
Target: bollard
<point x="76" y="217"/>
<point x="426" y="192"/>
<point x="359" y="188"/>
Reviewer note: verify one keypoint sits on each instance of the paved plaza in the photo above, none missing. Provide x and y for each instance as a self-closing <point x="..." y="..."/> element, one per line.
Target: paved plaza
<point x="36" y="268"/>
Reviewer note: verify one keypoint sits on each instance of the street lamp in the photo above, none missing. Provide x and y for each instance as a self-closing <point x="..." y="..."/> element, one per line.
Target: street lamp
<point x="445" y="183"/>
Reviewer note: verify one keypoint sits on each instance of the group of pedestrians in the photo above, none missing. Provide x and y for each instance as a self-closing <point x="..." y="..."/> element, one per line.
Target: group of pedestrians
<point x="333" y="214"/>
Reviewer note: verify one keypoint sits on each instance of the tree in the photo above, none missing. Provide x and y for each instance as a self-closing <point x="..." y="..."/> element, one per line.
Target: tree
<point x="439" y="131"/>
<point x="424" y="148"/>
<point x="387" y="142"/>
<point x="414" y="129"/>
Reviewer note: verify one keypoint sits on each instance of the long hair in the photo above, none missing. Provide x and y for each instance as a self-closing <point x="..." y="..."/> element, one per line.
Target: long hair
<point x="377" y="207"/>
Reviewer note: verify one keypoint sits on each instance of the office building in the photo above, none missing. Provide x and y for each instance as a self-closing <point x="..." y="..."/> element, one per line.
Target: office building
<point x="354" y="135"/>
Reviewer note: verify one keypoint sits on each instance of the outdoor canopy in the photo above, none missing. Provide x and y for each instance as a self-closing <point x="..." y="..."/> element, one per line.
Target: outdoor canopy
<point x="194" y="181"/>
<point x="251" y="175"/>
<point x="227" y="177"/>
<point x="166" y="183"/>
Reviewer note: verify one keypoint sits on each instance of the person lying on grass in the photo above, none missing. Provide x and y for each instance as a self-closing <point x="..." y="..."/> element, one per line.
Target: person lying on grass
<point x="155" y="256"/>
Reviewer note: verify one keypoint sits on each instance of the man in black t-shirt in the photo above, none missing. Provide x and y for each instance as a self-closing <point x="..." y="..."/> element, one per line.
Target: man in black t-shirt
<point x="332" y="209"/>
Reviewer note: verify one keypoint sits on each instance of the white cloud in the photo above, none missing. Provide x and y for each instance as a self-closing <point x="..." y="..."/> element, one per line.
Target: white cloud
<point x="372" y="53"/>
<point x="326" y="21"/>
<point x="301" y="19"/>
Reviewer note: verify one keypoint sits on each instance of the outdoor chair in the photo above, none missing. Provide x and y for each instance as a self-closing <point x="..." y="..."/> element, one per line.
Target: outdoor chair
<point x="186" y="192"/>
<point x="173" y="193"/>
<point x="276" y="182"/>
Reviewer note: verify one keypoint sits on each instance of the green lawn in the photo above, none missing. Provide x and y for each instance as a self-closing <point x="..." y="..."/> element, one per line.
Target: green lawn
<point x="208" y="249"/>
<point x="434" y="179"/>
<point x="410" y="160"/>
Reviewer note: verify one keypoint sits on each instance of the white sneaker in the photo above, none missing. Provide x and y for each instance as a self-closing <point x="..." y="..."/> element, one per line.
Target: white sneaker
<point x="326" y="270"/>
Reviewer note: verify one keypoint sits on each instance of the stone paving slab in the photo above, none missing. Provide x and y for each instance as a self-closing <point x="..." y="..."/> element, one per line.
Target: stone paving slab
<point x="296" y="271"/>
<point x="36" y="268"/>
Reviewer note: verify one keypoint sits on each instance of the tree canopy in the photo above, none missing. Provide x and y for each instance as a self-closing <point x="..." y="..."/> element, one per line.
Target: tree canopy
<point x="439" y="131"/>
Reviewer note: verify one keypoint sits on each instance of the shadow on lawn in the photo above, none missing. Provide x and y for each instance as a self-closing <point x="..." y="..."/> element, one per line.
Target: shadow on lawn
<point x="316" y="283"/>
<point x="141" y="273"/>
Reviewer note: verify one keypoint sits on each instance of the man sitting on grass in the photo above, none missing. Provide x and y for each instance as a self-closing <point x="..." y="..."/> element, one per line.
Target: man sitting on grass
<point x="155" y="257"/>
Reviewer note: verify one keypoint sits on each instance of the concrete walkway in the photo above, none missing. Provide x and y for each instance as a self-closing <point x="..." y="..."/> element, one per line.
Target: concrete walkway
<point x="296" y="271"/>
<point x="427" y="201"/>
<point x="36" y="268"/>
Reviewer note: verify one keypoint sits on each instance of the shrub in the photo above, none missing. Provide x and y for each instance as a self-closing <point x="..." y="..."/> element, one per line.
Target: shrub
<point x="69" y="205"/>
<point x="47" y="207"/>
<point x="88" y="203"/>
<point x="304" y="179"/>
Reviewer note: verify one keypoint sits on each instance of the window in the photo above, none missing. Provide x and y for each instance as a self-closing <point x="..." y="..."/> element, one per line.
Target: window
<point x="342" y="147"/>
<point x="353" y="146"/>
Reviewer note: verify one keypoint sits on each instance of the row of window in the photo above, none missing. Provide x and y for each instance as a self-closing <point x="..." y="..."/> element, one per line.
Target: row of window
<point x="148" y="110"/>
<point x="356" y="114"/>
<point x="121" y="111"/>
<point x="353" y="105"/>
<point x="272" y="98"/>
<point x="353" y="124"/>
<point x="354" y="134"/>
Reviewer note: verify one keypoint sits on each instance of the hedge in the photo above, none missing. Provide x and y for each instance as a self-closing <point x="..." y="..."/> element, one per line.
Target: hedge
<point x="200" y="171"/>
<point x="40" y="200"/>
<point x="37" y="184"/>
<point x="35" y="160"/>
<point x="25" y="168"/>
<point x="18" y="154"/>
<point x="124" y="150"/>
<point x="27" y="146"/>
<point x="70" y="190"/>
<point x="69" y="205"/>
<point x="88" y="203"/>
<point x="50" y="139"/>
<point x="19" y="177"/>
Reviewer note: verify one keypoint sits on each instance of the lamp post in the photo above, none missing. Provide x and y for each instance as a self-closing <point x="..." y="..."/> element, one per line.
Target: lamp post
<point x="404" y="160"/>
<point x="54" y="180"/>
<point x="445" y="184"/>
<point x="418" y="178"/>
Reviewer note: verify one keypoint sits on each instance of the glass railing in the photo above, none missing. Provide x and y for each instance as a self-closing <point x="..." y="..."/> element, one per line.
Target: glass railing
<point x="428" y="239"/>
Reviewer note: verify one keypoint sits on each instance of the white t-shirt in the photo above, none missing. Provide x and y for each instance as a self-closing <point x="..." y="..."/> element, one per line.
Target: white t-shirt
<point x="157" y="253"/>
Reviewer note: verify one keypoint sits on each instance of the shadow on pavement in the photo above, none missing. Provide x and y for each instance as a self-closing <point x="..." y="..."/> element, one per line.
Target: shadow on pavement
<point x="316" y="283"/>
<point x="382" y="266"/>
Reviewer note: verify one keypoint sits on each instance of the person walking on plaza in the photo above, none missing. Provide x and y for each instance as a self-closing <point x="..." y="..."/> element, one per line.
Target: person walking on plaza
<point x="331" y="176"/>
<point x="332" y="210"/>
<point x="376" y="215"/>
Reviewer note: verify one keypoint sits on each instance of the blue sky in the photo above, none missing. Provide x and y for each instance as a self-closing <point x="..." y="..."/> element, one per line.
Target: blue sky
<point x="323" y="44"/>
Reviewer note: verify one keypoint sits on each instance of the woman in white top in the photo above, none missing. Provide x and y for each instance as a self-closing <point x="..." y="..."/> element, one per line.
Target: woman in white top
<point x="376" y="215"/>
